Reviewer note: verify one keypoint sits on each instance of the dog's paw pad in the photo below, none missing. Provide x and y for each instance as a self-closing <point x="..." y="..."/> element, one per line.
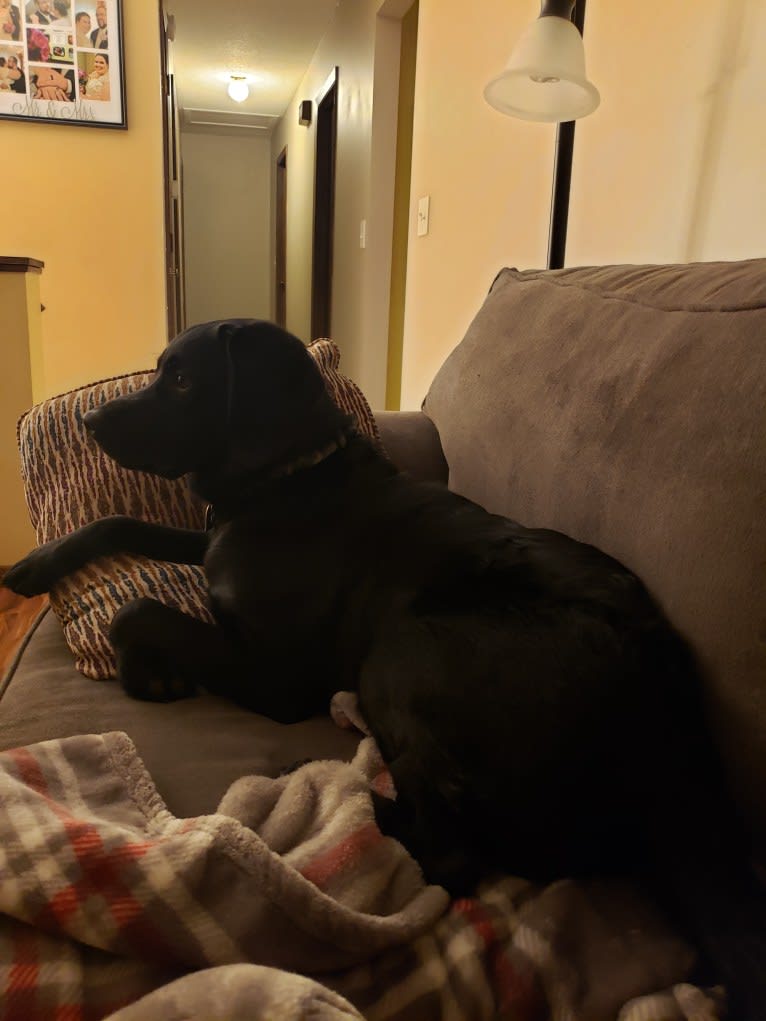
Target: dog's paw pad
<point x="145" y="676"/>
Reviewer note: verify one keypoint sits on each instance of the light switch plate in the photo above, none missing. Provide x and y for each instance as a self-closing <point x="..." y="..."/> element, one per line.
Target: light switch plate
<point x="424" y="211"/>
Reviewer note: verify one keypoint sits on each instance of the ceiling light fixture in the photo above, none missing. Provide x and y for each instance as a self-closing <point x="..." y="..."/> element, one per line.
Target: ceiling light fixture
<point x="544" y="79"/>
<point x="238" y="89"/>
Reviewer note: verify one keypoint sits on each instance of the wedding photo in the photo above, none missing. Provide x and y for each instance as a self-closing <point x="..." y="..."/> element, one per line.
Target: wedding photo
<point x="10" y="20"/>
<point x="62" y="61"/>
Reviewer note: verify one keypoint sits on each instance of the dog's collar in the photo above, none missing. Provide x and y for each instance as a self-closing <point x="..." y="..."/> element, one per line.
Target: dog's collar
<point x="311" y="460"/>
<point x="283" y="471"/>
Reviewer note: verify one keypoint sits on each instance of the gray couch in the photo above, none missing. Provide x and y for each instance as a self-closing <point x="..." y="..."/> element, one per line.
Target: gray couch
<point x="623" y="405"/>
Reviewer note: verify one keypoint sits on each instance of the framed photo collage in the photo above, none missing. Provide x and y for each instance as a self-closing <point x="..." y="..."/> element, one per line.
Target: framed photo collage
<point x="62" y="61"/>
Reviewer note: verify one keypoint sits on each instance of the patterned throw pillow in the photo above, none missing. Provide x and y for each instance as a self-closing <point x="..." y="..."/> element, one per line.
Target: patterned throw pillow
<point x="69" y="481"/>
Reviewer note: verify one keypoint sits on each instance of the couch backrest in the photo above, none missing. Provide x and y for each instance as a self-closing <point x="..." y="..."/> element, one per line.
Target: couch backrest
<point x="626" y="406"/>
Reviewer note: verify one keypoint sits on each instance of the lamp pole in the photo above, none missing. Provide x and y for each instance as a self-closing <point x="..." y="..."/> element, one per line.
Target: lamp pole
<point x="562" y="174"/>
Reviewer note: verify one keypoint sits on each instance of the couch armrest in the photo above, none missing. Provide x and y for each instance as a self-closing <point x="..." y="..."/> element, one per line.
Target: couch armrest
<point x="412" y="442"/>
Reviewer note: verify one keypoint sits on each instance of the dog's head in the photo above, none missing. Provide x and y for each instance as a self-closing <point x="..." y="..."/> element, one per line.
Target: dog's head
<point x="228" y="397"/>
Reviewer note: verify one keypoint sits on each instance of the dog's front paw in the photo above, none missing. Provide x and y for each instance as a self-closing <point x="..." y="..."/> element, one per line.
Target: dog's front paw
<point x="147" y="675"/>
<point x="37" y="572"/>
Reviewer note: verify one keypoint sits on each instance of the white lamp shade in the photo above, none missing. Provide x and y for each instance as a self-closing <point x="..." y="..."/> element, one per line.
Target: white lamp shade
<point x="545" y="78"/>
<point x="238" y="89"/>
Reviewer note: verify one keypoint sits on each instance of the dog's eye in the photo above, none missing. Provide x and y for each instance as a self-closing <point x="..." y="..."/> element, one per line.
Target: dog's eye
<point x="180" y="382"/>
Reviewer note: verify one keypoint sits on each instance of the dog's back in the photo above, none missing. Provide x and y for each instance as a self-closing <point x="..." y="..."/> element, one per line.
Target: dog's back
<point x="537" y="670"/>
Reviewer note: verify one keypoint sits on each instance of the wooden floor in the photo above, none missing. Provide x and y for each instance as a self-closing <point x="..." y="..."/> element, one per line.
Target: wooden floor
<point x="16" y="617"/>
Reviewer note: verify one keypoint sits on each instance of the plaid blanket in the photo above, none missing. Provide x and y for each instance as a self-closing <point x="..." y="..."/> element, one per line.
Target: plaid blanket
<point x="111" y="907"/>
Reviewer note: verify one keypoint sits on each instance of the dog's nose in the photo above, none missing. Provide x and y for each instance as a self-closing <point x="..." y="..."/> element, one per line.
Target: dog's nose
<point x="89" y="421"/>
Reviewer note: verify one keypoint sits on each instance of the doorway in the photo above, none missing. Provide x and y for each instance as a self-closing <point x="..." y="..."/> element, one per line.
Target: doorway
<point x="280" y="296"/>
<point x="324" y="207"/>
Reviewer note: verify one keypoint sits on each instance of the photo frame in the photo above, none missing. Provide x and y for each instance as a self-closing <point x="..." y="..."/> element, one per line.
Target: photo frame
<point x="62" y="62"/>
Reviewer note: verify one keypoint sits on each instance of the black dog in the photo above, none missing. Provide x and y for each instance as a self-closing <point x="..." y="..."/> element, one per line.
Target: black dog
<point x="538" y="713"/>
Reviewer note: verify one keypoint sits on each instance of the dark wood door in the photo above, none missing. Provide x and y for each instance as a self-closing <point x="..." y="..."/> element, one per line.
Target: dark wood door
<point x="324" y="208"/>
<point x="280" y="302"/>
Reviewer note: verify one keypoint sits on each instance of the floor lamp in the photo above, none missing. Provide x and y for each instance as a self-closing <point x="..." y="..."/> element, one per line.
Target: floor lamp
<point x="545" y="80"/>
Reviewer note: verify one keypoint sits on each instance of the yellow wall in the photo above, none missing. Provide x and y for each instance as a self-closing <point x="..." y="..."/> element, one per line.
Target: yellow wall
<point x="89" y="203"/>
<point x="669" y="168"/>
<point x="672" y="166"/>
<point x="488" y="177"/>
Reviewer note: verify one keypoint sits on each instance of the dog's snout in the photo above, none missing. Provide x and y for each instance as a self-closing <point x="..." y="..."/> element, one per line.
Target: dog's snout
<point x="89" y="421"/>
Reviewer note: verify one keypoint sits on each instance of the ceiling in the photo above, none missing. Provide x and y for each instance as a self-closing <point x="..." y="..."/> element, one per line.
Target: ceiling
<point x="271" y="42"/>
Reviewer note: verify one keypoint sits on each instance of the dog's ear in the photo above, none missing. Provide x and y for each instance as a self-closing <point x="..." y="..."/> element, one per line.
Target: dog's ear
<point x="278" y="405"/>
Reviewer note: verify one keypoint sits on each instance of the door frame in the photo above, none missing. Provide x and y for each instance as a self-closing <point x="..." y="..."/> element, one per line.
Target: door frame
<point x="324" y="206"/>
<point x="280" y="242"/>
<point x="172" y="176"/>
<point x="175" y="296"/>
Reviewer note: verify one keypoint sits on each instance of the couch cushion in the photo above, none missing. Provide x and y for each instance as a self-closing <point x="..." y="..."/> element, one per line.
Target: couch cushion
<point x="69" y="481"/>
<point x="194" y="749"/>
<point x="412" y="443"/>
<point x="626" y="406"/>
